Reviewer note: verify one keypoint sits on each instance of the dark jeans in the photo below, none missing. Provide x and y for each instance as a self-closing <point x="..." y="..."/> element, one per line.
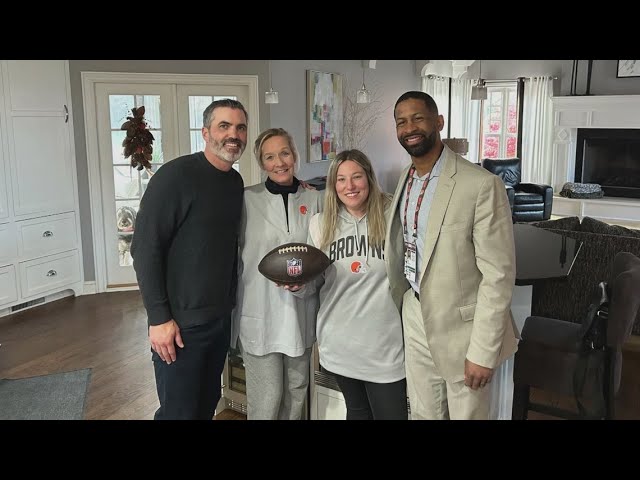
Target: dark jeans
<point x="374" y="401"/>
<point x="189" y="388"/>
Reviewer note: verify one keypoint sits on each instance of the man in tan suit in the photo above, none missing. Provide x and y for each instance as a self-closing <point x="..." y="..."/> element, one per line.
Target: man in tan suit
<point x="451" y="262"/>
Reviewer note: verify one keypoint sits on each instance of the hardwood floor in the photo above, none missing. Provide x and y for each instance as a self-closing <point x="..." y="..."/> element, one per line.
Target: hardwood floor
<point x="105" y="332"/>
<point x="108" y="333"/>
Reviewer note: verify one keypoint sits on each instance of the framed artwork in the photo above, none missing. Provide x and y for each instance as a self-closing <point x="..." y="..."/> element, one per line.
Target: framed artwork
<point x="324" y="115"/>
<point x="628" y="68"/>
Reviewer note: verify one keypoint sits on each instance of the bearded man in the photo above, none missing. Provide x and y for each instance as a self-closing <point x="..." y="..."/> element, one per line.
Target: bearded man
<point x="452" y="260"/>
<point x="184" y="253"/>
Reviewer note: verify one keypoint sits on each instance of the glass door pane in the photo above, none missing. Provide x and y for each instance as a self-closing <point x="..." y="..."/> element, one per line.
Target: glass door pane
<point x="122" y="184"/>
<point x="126" y="179"/>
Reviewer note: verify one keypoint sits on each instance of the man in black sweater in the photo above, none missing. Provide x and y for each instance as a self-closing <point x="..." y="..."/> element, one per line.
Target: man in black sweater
<point x="184" y="253"/>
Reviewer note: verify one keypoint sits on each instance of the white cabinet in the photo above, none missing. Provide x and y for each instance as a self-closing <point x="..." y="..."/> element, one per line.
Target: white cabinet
<point x="4" y="205"/>
<point x="36" y="85"/>
<point x="4" y="202"/>
<point x="327" y="401"/>
<point x="41" y="170"/>
<point x="4" y="167"/>
<point x="40" y="251"/>
<point x="8" y="249"/>
<point x="8" y="287"/>
<point x="38" y="140"/>
<point x="46" y="235"/>
<point x="327" y="404"/>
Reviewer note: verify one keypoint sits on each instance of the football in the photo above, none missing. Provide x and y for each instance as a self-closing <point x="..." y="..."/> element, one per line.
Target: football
<point x="293" y="264"/>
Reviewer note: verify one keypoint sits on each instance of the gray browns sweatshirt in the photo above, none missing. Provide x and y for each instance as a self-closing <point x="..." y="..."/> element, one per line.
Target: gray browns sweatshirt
<point x="359" y="330"/>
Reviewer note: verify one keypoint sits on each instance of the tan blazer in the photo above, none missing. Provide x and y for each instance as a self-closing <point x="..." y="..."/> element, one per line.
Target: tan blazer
<point x="468" y="268"/>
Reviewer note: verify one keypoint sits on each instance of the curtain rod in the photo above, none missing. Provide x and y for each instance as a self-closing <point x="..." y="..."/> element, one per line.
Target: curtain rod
<point x="441" y="77"/>
<point x="549" y="77"/>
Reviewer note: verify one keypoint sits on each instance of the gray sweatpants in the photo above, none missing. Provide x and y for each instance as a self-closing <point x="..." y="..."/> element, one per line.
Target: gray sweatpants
<point x="276" y="385"/>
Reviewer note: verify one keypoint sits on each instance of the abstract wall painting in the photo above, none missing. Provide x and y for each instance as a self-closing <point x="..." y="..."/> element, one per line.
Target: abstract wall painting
<point x="324" y="118"/>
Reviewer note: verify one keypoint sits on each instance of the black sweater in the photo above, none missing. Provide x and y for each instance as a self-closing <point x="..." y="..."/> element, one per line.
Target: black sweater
<point x="185" y="243"/>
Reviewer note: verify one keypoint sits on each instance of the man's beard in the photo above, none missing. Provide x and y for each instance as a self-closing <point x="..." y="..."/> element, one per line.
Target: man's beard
<point x="422" y="148"/>
<point x="229" y="157"/>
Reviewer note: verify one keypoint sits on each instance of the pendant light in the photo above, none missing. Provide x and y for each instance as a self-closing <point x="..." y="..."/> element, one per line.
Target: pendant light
<point x="479" y="90"/>
<point x="271" y="96"/>
<point x="363" y="95"/>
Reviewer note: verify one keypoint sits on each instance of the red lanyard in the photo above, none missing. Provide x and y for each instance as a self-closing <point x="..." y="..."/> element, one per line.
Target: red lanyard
<point x="412" y="170"/>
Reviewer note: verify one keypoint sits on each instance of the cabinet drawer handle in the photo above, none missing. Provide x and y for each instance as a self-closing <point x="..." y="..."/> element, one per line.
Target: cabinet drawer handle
<point x="48" y="233"/>
<point x="66" y="114"/>
<point x="51" y="273"/>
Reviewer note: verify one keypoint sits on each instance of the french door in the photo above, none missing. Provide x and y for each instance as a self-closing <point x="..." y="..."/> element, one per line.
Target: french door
<point x="173" y="112"/>
<point x="122" y="185"/>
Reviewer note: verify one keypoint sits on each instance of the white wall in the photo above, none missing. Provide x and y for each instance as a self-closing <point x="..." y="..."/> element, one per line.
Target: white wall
<point x="393" y="77"/>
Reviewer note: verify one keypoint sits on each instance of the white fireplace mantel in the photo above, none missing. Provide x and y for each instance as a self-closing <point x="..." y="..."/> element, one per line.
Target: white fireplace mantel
<point x="589" y="111"/>
<point x="597" y="111"/>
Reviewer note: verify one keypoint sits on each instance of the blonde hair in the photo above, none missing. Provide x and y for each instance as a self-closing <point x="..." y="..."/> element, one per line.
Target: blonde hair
<point x="375" y="203"/>
<point x="266" y="135"/>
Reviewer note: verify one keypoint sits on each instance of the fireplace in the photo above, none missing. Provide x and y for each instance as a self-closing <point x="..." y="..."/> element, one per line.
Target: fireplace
<point x="609" y="157"/>
<point x="580" y="121"/>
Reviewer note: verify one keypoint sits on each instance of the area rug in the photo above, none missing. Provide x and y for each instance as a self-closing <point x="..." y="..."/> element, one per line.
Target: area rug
<point x="59" y="396"/>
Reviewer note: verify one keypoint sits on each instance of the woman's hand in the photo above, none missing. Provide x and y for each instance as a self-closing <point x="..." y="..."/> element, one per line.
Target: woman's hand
<point x="291" y="288"/>
<point x="306" y="185"/>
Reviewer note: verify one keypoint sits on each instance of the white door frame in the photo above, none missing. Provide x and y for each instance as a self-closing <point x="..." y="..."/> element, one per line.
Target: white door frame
<point x="89" y="79"/>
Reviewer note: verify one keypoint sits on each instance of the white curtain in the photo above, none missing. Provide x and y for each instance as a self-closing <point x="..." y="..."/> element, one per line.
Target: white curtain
<point x="438" y="88"/>
<point x="537" y="131"/>
<point x="465" y="116"/>
<point x="460" y="103"/>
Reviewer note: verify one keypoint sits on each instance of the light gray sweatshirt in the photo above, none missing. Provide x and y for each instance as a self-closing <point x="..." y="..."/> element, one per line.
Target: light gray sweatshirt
<point x="267" y="318"/>
<point x="359" y="330"/>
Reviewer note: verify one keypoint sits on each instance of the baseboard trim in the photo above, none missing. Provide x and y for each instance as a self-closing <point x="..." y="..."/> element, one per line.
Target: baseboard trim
<point x="89" y="288"/>
<point x="122" y="288"/>
<point x="47" y="299"/>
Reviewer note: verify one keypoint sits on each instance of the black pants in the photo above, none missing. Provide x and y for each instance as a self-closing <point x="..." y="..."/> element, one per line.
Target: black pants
<point x="189" y="388"/>
<point x="374" y="401"/>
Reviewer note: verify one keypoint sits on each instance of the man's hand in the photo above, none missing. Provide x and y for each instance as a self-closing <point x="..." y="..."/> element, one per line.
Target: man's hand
<point x="476" y="376"/>
<point x="164" y="338"/>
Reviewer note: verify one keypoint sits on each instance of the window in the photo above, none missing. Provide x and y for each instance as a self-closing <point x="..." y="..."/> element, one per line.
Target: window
<point x="499" y="125"/>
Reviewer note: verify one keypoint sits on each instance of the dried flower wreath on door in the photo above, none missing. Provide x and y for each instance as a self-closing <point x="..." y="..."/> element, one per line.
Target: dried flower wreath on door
<point x="139" y="140"/>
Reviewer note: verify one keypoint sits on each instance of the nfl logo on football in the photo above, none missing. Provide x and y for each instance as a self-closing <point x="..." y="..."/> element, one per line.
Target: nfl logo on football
<point x="294" y="267"/>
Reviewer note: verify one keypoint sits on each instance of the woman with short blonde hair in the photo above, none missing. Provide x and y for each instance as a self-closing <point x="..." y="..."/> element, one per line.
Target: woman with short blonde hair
<point x="274" y="330"/>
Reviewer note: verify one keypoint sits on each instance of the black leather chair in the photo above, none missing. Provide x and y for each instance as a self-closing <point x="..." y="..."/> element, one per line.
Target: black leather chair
<point x="553" y="355"/>
<point x="531" y="202"/>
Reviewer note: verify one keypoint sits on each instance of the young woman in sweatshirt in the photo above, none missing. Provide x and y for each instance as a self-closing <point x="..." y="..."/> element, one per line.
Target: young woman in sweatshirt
<point x="276" y="331"/>
<point x="359" y="330"/>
